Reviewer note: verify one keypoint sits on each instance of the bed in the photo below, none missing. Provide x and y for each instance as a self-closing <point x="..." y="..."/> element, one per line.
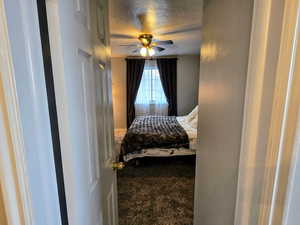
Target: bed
<point x="160" y="136"/>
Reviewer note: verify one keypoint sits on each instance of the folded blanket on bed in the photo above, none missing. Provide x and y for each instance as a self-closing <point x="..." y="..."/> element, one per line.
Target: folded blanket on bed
<point x="154" y="132"/>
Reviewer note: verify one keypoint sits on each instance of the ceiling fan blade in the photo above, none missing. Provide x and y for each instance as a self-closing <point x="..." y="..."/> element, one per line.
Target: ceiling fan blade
<point x="135" y="50"/>
<point x="129" y="45"/>
<point x="183" y="30"/>
<point x="168" y="42"/>
<point x="159" y="49"/>
<point x="122" y="36"/>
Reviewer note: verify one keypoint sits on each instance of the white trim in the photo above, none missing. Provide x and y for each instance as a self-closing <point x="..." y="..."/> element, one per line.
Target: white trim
<point x="265" y="193"/>
<point x="252" y="107"/>
<point x="13" y="173"/>
<point x="284" y="117"/>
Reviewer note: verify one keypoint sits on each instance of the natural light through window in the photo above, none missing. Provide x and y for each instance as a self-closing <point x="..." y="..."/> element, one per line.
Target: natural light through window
<point x="151" y="99"/>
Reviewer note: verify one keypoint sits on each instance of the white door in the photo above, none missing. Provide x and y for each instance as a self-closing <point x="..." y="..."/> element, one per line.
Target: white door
<point x="78" y="32"/>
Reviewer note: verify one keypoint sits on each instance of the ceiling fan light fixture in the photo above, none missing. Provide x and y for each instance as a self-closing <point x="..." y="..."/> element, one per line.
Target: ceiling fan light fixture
<point x="144" y="51"/>
<point x="149" y="48"/>
<point x="145" y="39"/>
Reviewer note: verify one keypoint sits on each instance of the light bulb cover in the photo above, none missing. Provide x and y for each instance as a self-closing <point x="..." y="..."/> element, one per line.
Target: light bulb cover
<point x="143" y="51"/>
<point x="151" y="52"/>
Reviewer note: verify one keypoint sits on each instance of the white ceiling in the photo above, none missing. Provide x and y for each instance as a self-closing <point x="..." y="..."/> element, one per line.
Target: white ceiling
<point x="177" y="20"/>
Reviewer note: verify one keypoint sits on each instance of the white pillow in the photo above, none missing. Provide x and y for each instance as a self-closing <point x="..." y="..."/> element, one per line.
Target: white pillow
<point x="194" y="122"/>
<point x="192" y="114"/>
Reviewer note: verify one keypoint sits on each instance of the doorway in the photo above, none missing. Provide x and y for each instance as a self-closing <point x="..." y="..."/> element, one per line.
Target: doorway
<point x="83" y="81"/>
<point x="157" y="184"/>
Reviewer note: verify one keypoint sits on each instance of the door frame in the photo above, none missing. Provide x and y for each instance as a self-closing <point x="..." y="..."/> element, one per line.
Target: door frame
<point x="25" y="187"/>
<point x="13" y="178"/>
<point x="15" y="181"/>
<point x="267" y="195"/>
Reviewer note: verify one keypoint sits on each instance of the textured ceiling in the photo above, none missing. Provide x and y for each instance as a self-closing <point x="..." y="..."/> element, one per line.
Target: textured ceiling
<point x="177" y="20"/>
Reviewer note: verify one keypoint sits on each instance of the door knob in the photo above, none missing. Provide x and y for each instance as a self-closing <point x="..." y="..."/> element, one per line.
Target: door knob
<point x="118" y="165"/>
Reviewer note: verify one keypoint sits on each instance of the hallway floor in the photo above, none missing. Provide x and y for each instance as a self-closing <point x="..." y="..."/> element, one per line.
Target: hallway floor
<point x="160" y="191"/>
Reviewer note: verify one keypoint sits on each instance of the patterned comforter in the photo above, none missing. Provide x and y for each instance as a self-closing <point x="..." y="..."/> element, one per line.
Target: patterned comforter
<point x="148" y="132"/>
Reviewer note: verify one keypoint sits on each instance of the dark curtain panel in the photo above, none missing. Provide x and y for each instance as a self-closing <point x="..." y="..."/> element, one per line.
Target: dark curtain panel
<point x="135" y="68"/>
<point x="168" y="75"/>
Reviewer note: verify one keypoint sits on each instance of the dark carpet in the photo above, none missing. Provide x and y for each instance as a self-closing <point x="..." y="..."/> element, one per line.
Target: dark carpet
<point x="159" y="191"/>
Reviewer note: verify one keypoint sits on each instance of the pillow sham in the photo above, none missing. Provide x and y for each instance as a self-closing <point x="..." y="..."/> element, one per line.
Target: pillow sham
<point x="192" y="114"/>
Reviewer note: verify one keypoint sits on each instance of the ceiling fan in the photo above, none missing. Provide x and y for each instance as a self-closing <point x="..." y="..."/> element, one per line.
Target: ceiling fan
<point x="149" y="47"/>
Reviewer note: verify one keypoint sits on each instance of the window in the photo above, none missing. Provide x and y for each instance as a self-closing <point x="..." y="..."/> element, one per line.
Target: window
<point x="151" y="99"/>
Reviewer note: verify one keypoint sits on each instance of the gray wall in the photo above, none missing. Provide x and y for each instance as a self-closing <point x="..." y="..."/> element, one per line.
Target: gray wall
<point x="187" y="83"/>
<point x="223" y="69"/>
<point x="187" y="86"/>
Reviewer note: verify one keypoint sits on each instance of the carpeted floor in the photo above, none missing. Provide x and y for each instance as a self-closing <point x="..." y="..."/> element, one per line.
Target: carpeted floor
<point x="160" y="191"/>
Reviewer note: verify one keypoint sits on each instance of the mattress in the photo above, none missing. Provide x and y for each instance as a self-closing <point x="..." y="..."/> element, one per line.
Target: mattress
<point x="160" y="152"/>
